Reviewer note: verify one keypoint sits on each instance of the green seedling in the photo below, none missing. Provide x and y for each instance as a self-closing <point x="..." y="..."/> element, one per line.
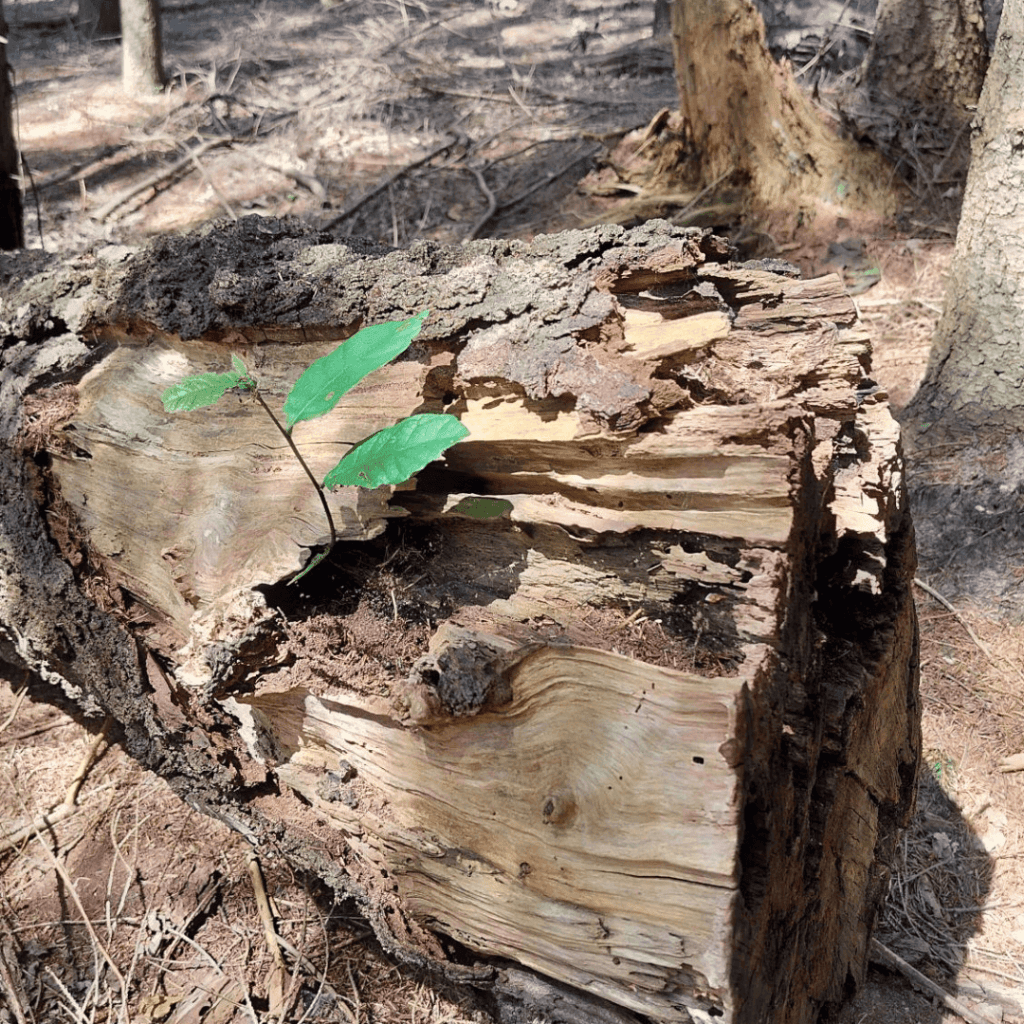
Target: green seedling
<point x="390" y="456"/>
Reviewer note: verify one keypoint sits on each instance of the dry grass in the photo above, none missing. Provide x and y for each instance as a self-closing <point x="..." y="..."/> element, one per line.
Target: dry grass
<point x="136" y="908"/>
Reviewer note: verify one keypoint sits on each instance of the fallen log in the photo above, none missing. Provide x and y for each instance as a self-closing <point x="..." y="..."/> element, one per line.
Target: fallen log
<point x="640" y="744"/>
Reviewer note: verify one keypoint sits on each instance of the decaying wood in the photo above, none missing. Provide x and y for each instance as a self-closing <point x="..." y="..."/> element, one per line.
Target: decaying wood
<point x="643" y="742"/>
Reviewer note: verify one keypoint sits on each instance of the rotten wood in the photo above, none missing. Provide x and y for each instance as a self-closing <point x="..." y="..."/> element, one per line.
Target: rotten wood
<point x="649" y="737"/>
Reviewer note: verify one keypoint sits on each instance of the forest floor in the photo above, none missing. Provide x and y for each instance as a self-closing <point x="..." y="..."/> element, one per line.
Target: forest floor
<point x="403" y="119"/>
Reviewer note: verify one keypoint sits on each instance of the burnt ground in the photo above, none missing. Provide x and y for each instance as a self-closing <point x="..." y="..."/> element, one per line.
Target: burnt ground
<point x="404" y="119"/>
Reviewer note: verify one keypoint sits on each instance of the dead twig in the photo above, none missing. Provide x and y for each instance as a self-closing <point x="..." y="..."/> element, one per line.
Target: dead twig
<point x="165" y="173"/>
<point x="492" y="204"/>
<point x="11" y="986"/>
<point x="312" y="184"/>
<point x="282" y="987"/>
<point x="924" y="984"/>
<point x="19" y="699"/>
<point x="351" y="208"/>
<point x="69" y="804"/>
<point x="551" y="176"/>
<point x="98" y="946"/>
<point x="963" y="622"/>
<point x="263" y="905"/>
<point x="201" y="168"/>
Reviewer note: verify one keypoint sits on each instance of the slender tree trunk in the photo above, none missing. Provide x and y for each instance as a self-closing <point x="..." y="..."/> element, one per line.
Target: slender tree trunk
<point x="749" y="121"/>
<point x="976" y="374"/>
<point x="141" y="48"/>
<point x="12" y="233"/>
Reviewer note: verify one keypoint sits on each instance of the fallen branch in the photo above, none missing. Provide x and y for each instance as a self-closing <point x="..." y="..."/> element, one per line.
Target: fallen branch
<point x="885" y="956"/>
<point x="492" y="204"/>
<point x="157" y="177"/>
<point x="351" y="208"/>
<point x="963" y="622"/>
<point x="68" y="806"/>
<point x="312" y="184"/>
<point x="582" y="153"/>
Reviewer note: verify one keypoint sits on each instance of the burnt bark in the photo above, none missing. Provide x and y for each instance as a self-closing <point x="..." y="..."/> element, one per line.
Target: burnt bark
<point x="650" y="735"/>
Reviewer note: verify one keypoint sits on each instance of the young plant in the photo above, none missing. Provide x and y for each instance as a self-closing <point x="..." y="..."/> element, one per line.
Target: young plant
<point x="390" y="456"/>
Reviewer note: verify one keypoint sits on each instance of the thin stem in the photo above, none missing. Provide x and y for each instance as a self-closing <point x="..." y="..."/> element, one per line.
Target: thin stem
<point x="302" y="462"/>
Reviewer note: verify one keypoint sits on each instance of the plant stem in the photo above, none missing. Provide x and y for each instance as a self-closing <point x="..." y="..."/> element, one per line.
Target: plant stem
<point x="302" y="462"/>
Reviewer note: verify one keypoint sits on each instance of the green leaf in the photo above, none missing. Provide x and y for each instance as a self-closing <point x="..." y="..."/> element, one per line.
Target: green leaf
<point x="317" y="391"/>
<point x="393" y="454"/>
<point x="199" y="390"/>
<point x="239" y="366"/>
<point x="482" y="508"/>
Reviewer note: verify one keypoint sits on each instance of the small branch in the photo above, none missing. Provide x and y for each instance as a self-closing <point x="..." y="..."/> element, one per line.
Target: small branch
<point x="263" y="905"/>
<point x="159" y="176"/>
<point x="922" y="983"/>
<point x="492" y="205"/>
<point x="213" y="188"/>
<point x="386" y="183"/>
<point x="312" y="184"/>
<point x="68" y="806"/>
<point x="963" y="622"/>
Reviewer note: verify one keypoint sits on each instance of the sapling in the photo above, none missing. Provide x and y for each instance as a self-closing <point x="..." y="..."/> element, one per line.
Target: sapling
<point x="390" y="456"/>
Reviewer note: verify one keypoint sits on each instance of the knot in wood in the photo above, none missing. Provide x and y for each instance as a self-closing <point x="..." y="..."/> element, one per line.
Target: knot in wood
<point x="559" y="808"/>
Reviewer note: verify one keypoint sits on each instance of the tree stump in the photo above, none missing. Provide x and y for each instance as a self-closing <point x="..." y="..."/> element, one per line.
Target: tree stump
<point x="641" y="744"/>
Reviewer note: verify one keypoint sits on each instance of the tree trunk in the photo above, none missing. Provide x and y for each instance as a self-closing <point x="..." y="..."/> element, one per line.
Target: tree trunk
<point x="928" y="57"/>
<point x="976" y="371"/>
<point x="747" y="117"/>
<point x="965" y="421"/>
<point x="641" y="744"/>
<point x="142" y="59"/>
<point x="12" y="231"/>
<point x="99" y="18"/>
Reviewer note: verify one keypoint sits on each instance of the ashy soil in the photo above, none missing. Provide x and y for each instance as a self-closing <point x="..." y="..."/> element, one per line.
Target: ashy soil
<point x="397" y="120"/>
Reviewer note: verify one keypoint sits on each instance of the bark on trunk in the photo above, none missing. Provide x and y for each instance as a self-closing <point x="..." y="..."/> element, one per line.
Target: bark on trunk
<point x="640" y="745"/>
<point x="142" y="58"/>
<point x="965" y="421"/>
<point x="928" y="57"/>
<point x="976" y="370"/>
